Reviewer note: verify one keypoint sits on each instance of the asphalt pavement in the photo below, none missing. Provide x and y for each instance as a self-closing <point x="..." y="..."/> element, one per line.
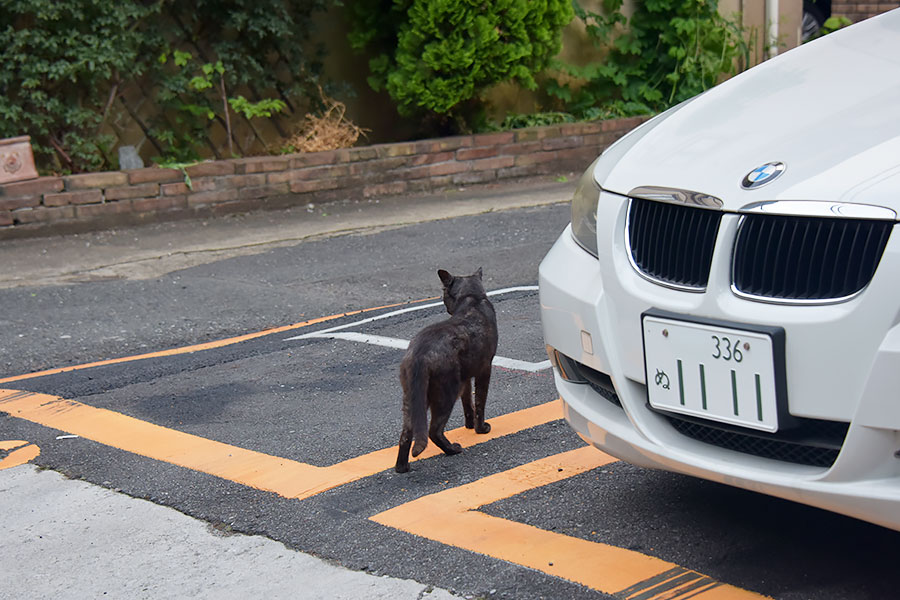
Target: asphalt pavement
<point x="211" y="407"/>
<point x="74" y="539"/>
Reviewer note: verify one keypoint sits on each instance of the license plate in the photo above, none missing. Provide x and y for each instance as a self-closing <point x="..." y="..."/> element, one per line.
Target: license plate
<point x="712" y="372"/>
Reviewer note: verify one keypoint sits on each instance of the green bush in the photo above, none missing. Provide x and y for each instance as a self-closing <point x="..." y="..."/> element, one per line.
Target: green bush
<point x="669" y="51"/>
<point x="438" y="56"/>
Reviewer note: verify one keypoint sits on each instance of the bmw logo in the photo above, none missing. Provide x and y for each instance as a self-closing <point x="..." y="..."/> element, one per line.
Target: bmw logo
<point x="762" y="175"/>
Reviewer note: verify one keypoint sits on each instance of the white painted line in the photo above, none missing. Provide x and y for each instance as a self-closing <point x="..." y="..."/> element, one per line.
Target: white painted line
<point x="368" y="320"/>
<point x="365" y="338"/>
<point x="521" y="288"/>
<point x="394" y="313"/>
<point x="399" y="344"/>
<point x="521" y="365"/>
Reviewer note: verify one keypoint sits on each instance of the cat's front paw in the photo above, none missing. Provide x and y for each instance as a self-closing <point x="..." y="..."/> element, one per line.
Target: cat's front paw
<point x="455" y="449"/>
<point x="402" y="468"/>
<point x="485" y="428"/>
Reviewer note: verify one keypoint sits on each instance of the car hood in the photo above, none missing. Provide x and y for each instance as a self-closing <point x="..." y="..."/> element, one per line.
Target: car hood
<point x="829" y="110"/>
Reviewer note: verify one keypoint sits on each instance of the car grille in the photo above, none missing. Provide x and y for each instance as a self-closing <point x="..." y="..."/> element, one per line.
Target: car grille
<point x="812" y="442"/>
<point x="672" y="243"/>
<point x="807" y="258"/>
<point x="778" y="257"/>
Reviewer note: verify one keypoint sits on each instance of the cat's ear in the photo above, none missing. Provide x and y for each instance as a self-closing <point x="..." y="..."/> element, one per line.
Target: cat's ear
<point x="446" y="277"/>
<point x="479" y="272"/>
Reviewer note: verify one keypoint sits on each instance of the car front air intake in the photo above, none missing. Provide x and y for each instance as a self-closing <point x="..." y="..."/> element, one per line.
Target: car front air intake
<point x="672" y="244"/>
<point x="798" y="258"/>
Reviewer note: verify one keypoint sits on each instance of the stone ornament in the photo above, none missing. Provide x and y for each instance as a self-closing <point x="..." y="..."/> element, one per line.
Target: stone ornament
<point x="16" y="159"/>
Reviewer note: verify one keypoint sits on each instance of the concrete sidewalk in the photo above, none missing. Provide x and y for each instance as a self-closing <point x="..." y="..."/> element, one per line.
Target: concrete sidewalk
<point x="61" y="538"/>
<point x="151" y="250"/>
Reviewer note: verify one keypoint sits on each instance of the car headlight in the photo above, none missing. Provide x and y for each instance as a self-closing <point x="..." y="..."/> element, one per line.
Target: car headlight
<point x="587" y="194"/>
<point x="584" y="211"/>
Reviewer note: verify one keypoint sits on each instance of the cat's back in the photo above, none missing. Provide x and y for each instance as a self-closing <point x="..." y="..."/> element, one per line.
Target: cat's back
<point x="437" y="342"/>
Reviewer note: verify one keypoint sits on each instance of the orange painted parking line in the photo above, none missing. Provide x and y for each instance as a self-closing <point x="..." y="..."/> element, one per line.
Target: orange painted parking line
<point x="109" y="428"/>
<point x="379" y="460"/>
<point x="288" y="478"/>
<point x="206" y="345"/>
<point x="451" y="517"/>
<point x="22" y="452"/>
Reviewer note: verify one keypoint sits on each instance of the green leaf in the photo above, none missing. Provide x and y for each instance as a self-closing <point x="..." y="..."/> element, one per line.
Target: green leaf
<point x="200" y="83"/>
<point x="182" y="58"/>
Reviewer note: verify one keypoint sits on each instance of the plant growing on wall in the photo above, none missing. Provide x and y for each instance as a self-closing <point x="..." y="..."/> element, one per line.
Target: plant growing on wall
<point x="62" y="61"/>
<point x="261" y="47"/>
<point x="438" y="56"/>
<point x="198" y="94"/>
<point x="667" y="52"/>
<point x="66" y="64"/>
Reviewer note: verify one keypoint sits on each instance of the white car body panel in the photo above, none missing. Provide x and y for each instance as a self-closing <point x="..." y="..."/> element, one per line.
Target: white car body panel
<point x="830" y="111"/>
<point x="824" y="109"/>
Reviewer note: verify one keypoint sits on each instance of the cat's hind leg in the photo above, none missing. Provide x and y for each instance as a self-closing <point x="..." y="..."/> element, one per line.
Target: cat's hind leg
<point x="440" y="414"/>
<point x="465" y="396"/>
<point x="402" y="465"/>
<point x="481" y="390"/>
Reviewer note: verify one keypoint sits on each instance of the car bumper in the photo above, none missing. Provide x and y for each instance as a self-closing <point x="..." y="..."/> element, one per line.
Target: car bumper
<point x="837" y="371"/>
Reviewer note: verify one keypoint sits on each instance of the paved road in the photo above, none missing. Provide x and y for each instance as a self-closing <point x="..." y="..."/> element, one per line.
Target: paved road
<point x="245" y="375"/>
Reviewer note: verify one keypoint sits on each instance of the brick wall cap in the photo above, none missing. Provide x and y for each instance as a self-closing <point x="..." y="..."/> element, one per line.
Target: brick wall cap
<point x="154" y="175"/>
<point x="42" y="185"/>
<point x="104" y="179"/>
<point x="211" y="167"/>
<point x="261" y="164"/>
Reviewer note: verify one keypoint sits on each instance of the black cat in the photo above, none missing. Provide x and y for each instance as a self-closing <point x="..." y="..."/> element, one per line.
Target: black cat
<point x="440" y="364"/>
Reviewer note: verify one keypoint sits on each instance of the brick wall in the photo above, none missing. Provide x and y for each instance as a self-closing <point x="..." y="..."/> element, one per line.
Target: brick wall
<point x="97" y="200"/>
<point x="858" y="11"/>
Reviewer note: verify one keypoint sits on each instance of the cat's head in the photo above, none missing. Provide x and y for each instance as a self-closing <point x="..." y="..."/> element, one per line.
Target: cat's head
<point x="457" y="287"/>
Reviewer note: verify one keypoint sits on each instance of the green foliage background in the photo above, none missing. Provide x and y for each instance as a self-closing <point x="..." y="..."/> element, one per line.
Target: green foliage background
<point x="199" y="62"/>
<point x="669" y="51"/>
<point x="66" y="63"/>
<point x="58" y="59"/>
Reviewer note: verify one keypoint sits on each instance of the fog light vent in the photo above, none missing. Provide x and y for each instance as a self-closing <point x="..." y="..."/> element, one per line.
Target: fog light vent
<point x="575" y="372"/>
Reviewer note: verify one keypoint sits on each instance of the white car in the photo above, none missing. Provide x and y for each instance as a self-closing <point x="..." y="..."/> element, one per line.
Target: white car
<point x="726" y="300"/>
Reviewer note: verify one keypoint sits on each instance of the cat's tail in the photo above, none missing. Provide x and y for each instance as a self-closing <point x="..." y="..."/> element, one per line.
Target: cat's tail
<point x="418" y="407"/>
